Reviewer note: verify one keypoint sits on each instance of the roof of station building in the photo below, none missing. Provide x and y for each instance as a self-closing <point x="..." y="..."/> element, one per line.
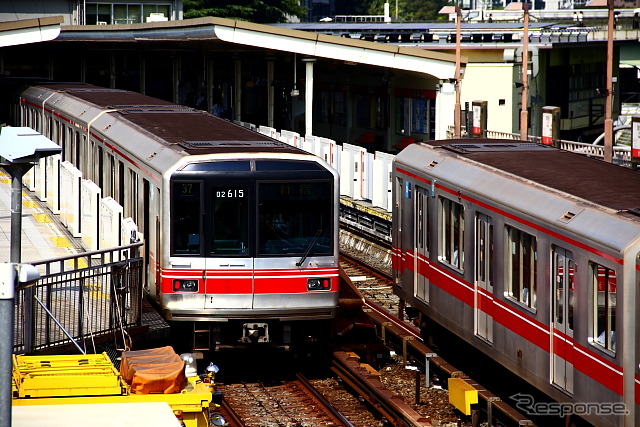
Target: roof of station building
<point x="221" y="33"/>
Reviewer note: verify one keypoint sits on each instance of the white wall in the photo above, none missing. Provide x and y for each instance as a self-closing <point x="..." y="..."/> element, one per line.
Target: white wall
<point x="492" y="82"/>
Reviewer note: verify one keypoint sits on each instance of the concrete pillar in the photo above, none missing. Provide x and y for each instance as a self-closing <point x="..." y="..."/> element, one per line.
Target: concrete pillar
<point x="270" y="91"/>
<point x="238" y="89"/>
<point x="176" y="79"/>
<point x="308" y="97"/>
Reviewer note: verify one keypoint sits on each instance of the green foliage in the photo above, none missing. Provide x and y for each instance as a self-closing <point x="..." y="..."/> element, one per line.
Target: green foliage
<point x="260" y="11"/>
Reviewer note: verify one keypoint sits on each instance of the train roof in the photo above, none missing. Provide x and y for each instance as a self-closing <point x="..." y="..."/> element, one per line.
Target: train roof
<point x="599" y="182"/>
<point x="182" y="128"/>
<point x="593" y="199"/>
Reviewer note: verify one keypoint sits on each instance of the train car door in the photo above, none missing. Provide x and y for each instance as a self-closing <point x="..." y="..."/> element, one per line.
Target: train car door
<point x="229" y="264"/>
<point x="563" y="288"/>
<point x="483" y="292"/>
<point x="398" y="248"/>
<point x="421" y="245"/>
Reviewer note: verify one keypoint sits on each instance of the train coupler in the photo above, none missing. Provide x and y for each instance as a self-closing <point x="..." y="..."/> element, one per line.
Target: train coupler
<point x="255" y="333"/>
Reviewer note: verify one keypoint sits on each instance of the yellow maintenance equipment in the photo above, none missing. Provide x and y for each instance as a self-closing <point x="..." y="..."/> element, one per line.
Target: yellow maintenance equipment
<point x="92" y="380"/>
<point x="462" y="395"/>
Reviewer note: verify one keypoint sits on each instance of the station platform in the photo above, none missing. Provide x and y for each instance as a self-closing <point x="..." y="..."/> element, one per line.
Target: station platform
<point x="44" y="237"/>
<point x="41" y="238"/>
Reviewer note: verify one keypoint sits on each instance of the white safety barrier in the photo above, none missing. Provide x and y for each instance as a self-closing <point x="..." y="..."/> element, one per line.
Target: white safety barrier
<point x="53" y="182"/>
<point x="129" y="232"/>
<point x="90" y="195"/>
<point x="29" y="179"/>
<point x="291" y="138"/>
<point x="328" y="150"/>
<point x="352" y="172"/>
<point x="270" y="132"/>
<point x="70" y="179"/>
<point x="40" y="172"/>
<point x="381" y="179"/>
<point x="110" y="223"/>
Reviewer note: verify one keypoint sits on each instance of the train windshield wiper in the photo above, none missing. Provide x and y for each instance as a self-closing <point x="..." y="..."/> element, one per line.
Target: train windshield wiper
<point x="306" y="253"/>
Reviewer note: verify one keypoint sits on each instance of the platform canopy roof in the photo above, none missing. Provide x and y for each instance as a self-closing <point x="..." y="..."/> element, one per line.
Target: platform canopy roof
<point x="29" y="30"/>
<point x="220" y="33"/>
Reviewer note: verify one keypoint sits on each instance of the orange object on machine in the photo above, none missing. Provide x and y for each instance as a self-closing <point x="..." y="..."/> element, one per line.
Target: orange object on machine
<point x="157" y="370"/>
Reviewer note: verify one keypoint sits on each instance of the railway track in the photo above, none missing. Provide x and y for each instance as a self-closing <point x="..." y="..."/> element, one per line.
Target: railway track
<point x="286" y="403"/>
<point x="387" y="312"/>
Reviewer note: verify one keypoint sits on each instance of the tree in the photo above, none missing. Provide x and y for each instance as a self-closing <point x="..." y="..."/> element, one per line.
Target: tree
<point x="260" y="11"/>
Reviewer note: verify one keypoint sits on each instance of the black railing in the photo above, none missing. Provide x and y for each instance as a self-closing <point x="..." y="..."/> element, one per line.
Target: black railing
<point x="79" y="300"/>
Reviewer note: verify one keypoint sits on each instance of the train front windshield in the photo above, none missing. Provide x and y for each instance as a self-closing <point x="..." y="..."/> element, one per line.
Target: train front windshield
<point x="253" y="212"/>
<point x="294" y="218"/>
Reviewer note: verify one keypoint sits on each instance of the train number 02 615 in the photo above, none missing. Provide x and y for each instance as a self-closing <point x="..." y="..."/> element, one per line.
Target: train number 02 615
<point x="230" y="193"/>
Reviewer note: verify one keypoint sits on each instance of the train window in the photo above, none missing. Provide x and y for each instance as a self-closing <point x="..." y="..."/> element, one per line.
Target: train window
<point x="484" y="251"/>
<point x="452" y="248"/>
<point x="133" y="196"/>
<point x="100" y="171"/>
<point x="522" y="267"/>
<point x="604" y="306"/>
<point x="295" y="218"/>
<point x="236" y="166"/>
<point x="230" y="220"/>
<point x="185" y="218"/>
<point x="564" y="287"/>
<point x="120" y="187"/>
<point x="76" y="150"/>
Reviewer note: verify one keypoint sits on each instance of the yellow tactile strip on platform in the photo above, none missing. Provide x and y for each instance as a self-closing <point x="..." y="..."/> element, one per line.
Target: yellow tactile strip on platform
<point x="61" y="242"/>
<point x="42" y="217"/>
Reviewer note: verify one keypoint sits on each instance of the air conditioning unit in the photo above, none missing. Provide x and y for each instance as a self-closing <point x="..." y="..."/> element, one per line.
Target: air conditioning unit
<point x="157" y="17"/>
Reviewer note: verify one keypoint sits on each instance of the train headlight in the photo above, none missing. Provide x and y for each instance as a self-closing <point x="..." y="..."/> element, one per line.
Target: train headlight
<point x="323" y="284"/>
<point x="185" y="285"/>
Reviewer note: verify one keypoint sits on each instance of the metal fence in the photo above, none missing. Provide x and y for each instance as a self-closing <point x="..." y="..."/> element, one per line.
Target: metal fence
<point x="621" y="154"/>
<point x="80" y="299"/>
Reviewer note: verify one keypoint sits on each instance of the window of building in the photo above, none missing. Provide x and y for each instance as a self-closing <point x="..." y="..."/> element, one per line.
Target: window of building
<point x="416" y="115"/>
<point x="332" y="108"/>
<point x="125" y="13"/>
<point x="452" y="248"/>
<point x="604" y="287"/>
<point x="371" y="111"/>
<point x="522" y="266"/>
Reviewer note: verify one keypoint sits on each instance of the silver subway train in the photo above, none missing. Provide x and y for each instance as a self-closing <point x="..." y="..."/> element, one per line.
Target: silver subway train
<point x="241" y="230"/>
<point x="529" y="254"/>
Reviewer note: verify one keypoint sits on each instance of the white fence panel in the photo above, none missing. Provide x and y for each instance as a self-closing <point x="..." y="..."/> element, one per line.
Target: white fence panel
<point x="366" y="173"/>
<point x="327" y="149"/>
<point x="307" y="143"/>
<point x="29" y="179"/>
<point x="291" y="138"/>
<point x="53" y="182"/>
<point x="110" y="223"/>
<point x="90" y="201"/>
<point x="269" y="131"/>
<point x="352" y="163"/>
<point x="381" y="178"/>
<point x="40" y="171"/>
<point x="129" y="231"/>
<point x="70" y="179"/>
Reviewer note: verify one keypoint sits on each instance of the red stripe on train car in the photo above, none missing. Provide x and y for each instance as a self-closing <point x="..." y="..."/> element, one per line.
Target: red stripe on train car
<point x="508" y="315"/>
